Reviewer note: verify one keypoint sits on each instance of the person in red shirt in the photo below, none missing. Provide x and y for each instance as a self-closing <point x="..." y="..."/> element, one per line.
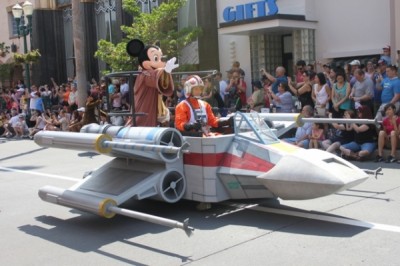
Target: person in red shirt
<point x="194" y="116"/>
<point x="300" y="68"/>
<point x="389" y="134"/>
<point x="237" y="89"/>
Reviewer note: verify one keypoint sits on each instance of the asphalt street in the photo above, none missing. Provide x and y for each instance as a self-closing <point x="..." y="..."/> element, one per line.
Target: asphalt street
<point x="360" y="226"/>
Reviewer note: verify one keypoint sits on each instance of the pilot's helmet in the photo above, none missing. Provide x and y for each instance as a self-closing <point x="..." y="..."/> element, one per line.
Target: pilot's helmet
<point x="191" y="82"/>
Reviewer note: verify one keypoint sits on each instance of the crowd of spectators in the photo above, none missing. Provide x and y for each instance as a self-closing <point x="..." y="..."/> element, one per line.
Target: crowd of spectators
<point x="54" y="107"/>
<point x="350" y="91"/>
<point x="370" y="91"/>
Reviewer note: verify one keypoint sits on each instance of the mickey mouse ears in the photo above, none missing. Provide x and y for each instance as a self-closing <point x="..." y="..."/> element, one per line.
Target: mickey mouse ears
<point x="134" y="47"/>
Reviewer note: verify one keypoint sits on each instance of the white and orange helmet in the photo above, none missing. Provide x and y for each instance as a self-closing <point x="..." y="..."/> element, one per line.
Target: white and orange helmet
<point x="191" y="82"/>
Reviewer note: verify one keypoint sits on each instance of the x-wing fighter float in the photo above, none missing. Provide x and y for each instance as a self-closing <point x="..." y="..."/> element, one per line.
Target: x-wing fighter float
<point x="159" y="163"/>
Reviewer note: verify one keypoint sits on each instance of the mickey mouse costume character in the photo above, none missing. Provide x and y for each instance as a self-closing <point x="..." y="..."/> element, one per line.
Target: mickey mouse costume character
<point x="154" y="82"/>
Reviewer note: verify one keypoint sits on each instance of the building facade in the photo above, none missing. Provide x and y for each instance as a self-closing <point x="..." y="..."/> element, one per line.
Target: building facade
<point x="52" y="34"/>
<point x="265" y="34"/>
<point x="256" y="33"/>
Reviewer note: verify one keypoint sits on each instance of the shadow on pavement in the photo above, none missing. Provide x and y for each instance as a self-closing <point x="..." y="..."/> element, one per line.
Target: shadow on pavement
<point x="22" y="154"/>
<point x="88" y="233"/>
<point x="88" y="154"/>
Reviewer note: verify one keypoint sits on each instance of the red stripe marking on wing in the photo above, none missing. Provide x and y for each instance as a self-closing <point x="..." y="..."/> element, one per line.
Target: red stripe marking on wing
<point x="247" y="162"/>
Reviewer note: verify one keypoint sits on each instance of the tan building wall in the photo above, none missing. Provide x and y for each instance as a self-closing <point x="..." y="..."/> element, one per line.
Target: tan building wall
<point x="5" y="21"/>
<point x="396" y="30"/>
<point x="5" y="29"/>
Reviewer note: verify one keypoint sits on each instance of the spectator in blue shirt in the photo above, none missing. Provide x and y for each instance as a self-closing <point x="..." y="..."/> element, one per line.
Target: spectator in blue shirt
<point x="278" y="79"/>
<point x="390" y="87"/>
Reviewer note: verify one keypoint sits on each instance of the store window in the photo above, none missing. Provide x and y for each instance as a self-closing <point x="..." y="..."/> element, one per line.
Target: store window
<point x="148" y="5"/>
<point x="13" y="25"/>
<point x="106" y="24"/>
<point x="63" y="2"/>
<point x="287" y="54"/>
<point x="188" y="18"/>
<point x="188" y="15"/>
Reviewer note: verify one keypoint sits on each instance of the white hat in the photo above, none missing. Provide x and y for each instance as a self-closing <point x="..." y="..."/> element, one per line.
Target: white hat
<point x="355" y="63"/>
<point x="81" y="109"/>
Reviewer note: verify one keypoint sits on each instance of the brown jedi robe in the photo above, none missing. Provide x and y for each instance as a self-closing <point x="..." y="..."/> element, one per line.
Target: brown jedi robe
<point x="90" y="112"/>
<point x="149" y="87"/>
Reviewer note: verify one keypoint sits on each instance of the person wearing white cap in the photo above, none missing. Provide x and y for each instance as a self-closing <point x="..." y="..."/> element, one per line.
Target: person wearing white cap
<point x="11" y="124"/>
<point x="20" y="127"/>
<point x="355" y="64"/>
<point x="386" y="55"/>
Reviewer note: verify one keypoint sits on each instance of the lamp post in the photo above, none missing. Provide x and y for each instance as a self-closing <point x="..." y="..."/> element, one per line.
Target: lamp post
<point x="24" y="28"/>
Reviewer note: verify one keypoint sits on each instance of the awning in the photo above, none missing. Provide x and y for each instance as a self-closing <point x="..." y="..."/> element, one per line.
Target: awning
<point x="279" y="23"/>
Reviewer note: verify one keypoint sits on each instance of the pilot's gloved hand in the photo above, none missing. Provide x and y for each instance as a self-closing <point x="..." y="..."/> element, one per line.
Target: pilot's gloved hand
<point x="187" y="127"/>
<point x="229" y="122"/>
<point x="170" y="65"/>
<point x="195" y="126"/>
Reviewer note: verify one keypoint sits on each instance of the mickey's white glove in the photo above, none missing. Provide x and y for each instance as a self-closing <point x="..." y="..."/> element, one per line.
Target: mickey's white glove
<point x="170" y="65"/>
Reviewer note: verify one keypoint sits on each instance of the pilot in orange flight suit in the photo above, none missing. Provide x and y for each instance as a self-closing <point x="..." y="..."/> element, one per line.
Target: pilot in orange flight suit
<point x="194" y="115"/>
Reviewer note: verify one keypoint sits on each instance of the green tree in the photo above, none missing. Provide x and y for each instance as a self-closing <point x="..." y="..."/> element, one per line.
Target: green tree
<point x="158" y="26"/>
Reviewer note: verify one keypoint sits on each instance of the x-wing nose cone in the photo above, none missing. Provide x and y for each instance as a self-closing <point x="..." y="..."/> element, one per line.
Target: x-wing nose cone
<point x="308" y="174"/>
